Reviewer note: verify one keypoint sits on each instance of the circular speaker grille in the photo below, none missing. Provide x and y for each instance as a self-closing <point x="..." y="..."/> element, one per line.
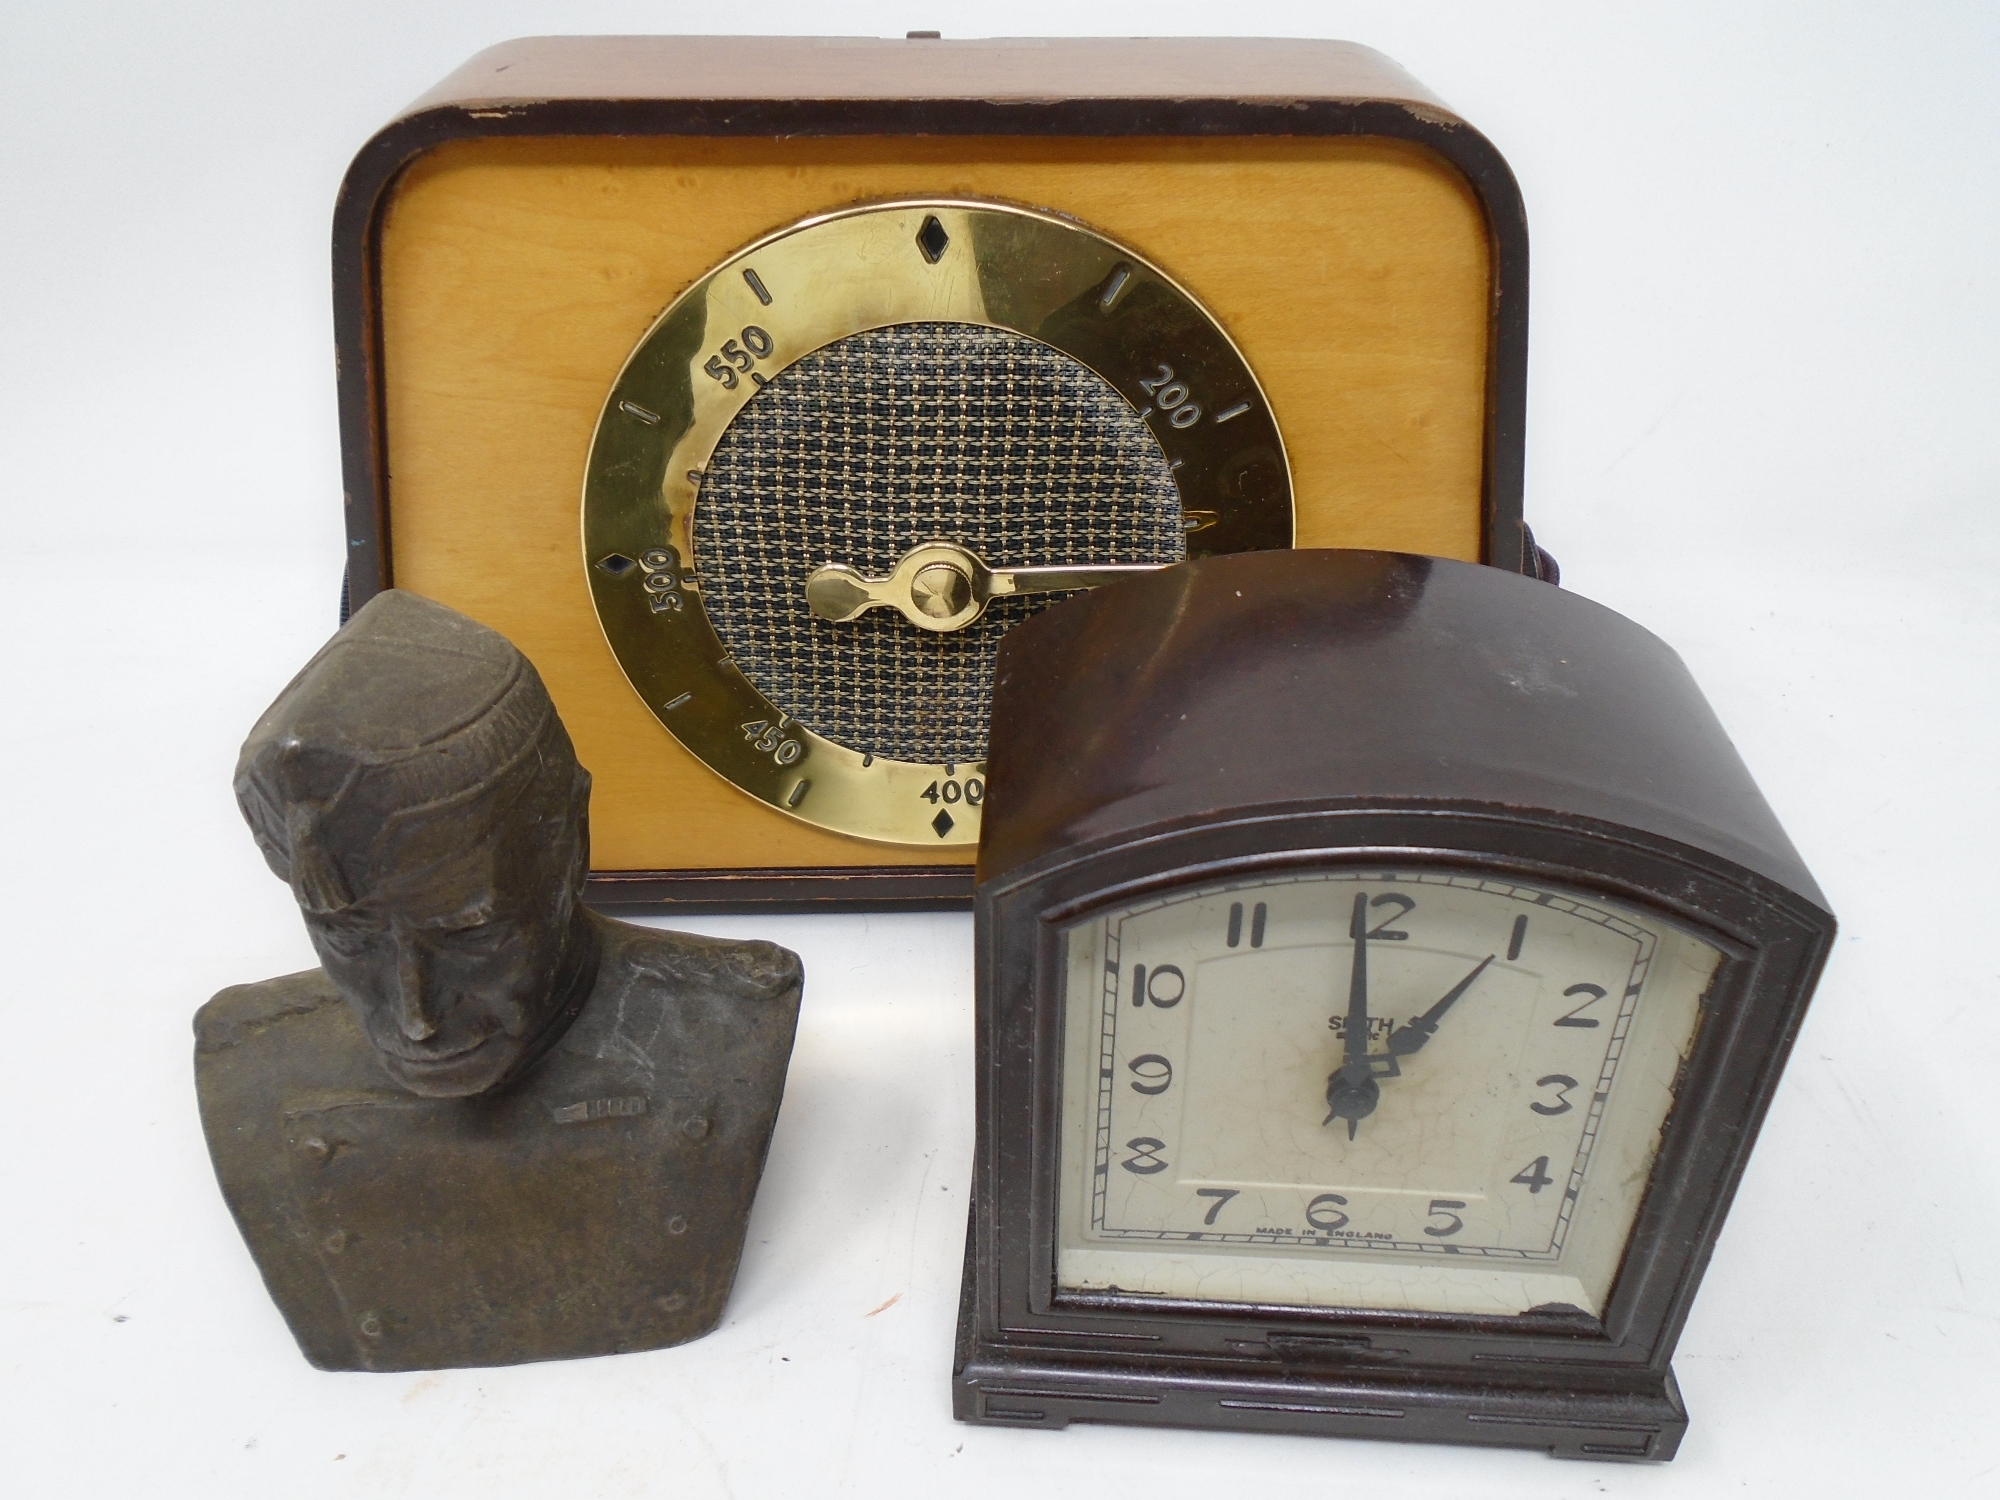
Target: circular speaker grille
<point x="902" y="435"/>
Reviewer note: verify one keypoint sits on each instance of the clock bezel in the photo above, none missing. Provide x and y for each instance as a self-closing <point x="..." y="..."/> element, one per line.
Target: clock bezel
<point x="1771" y="943"/>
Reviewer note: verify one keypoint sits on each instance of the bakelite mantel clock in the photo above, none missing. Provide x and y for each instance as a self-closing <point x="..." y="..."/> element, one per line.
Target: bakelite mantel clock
<point x="1384" y="965"/>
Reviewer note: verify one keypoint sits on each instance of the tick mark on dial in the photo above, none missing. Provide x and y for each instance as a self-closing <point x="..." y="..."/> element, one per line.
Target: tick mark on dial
<point x="750" y="280"/>
<point x="1114" y="288"/>
<point x="634" y="409"/>
<point x="1235" y="411"/>
<point x="676" y="703"/>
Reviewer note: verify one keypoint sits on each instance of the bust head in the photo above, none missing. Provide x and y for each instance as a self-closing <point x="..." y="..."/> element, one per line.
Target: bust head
<point x="416" y="790"/>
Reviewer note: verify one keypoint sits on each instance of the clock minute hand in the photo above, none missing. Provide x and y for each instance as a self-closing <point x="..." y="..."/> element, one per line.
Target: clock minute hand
<point x="1352" y="1093"/>
<point x="942" y="586"/>
<point x="1412" y="1034"/>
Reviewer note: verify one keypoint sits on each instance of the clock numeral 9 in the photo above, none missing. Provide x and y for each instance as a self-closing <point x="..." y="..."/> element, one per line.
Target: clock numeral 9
<point x="1324" y="1213"/>
<point x="1156" y="1074"/>
<point x="1148" y="1160"/>
<point x="756" y="345"/>
<point x="1441" y="1208"/>
<point x="1164" y="986"/>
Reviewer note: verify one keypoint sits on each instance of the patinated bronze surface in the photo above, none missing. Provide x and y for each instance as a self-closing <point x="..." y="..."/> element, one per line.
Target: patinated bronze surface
<point x="494" y="1126"/>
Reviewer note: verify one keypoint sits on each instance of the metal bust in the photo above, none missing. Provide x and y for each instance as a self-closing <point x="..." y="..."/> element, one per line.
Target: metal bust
<point x="493" y="1126"/>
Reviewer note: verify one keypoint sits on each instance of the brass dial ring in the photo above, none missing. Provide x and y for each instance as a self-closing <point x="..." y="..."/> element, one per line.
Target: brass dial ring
<point x="1178" y="384"/>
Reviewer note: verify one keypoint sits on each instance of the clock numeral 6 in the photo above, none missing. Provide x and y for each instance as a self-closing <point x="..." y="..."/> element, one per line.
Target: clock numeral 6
<point x="1164" y="986"/>
<point x="1148" y="1160"/>
<point x="1156" y="1074"/>
<point x="1324" y="1213"/>
<point x="1441" y="1208"/>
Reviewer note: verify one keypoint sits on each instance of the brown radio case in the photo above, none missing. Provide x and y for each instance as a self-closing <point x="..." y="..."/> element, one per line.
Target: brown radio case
<point x="501" y="246"/>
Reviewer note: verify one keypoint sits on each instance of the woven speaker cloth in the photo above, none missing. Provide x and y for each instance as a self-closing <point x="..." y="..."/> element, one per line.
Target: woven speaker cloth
<point x="885" y="439"/>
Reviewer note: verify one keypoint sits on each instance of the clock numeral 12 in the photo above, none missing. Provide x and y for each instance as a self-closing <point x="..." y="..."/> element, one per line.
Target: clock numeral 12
<point x="1382" y="932"/>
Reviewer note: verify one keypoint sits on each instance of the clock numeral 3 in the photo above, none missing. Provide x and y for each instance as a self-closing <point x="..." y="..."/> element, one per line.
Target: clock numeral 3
<point x="1324" y="1213"/>
<point x="1220" y="1195"/>
<point x="1573" y="1018"/>
<point x="1534" y="1176"/>
<point x="1164" y="986"/>
<point x="1148" y="1159"/>
<point x="1441" y="1208"/>
<point x="1564" y="1083"/>
<point x="1156" y="1074"/>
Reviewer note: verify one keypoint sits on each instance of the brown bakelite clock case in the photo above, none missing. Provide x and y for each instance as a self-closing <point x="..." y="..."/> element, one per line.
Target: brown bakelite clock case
<point x="1384" y="965"/>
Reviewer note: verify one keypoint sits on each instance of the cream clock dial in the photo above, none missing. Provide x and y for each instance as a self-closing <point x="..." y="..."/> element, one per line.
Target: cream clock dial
<point x="1400" y="1089"/>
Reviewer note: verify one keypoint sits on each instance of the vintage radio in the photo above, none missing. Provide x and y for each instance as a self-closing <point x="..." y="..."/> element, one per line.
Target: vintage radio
<point x="856" y="352"/>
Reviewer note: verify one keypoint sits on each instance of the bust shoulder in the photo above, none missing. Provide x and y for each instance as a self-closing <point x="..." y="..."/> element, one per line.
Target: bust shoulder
<point x="671" y="1005"/>
<point x="244" y="1012"/>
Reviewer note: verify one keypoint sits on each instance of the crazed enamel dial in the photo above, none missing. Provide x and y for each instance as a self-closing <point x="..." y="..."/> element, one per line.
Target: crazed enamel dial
<point x="1408" y="1089"/>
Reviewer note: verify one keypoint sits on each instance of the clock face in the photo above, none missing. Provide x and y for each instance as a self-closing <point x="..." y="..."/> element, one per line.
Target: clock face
<point x="1403" y="1089"/>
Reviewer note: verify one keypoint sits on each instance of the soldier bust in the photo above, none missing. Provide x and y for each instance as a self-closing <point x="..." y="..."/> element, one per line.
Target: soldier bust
<point x="494" y="1126"/>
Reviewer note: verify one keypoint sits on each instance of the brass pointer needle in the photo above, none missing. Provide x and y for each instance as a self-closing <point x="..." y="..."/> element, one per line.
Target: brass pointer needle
<point x="942" y="586"/>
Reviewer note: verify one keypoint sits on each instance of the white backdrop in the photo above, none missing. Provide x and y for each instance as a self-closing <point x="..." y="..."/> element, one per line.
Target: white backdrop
<point x="1761" y="422"/>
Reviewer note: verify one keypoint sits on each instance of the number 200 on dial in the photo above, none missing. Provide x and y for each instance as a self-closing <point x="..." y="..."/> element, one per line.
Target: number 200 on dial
<point x="1398" y="1089"/>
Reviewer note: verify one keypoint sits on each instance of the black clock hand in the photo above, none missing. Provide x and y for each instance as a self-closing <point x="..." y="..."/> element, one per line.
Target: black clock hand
<point x="1408" y="1037"/>
<point x="1352" y="1093"/>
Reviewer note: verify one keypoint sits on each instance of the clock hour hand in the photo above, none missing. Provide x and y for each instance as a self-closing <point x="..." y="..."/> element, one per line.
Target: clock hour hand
<point x="1352" y="1093"/>
<point x="942" y="586"/>
<point x="1412" y="1034"/>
